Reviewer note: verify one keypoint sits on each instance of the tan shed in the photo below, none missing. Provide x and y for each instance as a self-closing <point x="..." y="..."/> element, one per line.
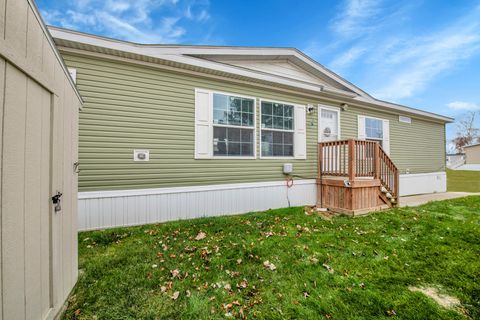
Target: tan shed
<point x="472" y="154"/>
<point x="38" y="151"/>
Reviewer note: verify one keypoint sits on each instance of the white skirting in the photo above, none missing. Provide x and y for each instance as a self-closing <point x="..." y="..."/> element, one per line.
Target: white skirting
<point x="422" y="183"/>
<point x="107" y="209"/>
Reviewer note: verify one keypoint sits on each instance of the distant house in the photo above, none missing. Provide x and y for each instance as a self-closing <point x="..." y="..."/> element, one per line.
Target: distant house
<point x="472" y="154"/>
<point x="174" y="131"/>
<point x="455" y="160"/>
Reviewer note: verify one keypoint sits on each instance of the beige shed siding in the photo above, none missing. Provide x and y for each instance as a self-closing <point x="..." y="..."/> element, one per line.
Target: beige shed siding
<point x="131" y="106"/>
<point x="38" y="107"/>
<point x="472" y="155"/>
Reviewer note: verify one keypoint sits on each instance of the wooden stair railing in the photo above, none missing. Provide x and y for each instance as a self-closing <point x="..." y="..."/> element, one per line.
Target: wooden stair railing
<point x="388" y="174"/>
<point x="359" y="158"/>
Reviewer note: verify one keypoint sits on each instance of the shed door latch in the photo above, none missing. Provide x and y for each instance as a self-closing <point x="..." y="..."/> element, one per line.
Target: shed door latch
<point x="56" y="201"/>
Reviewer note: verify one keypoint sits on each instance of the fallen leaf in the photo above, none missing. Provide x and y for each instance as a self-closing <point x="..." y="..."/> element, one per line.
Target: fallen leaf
<point x="267" y="264"/>
<point x="201" y="235"/>
<point x="239" y="261"/>
<point x="242" y="315"/>
<point x="227" y="287"/>
<point x="154" y="266"/>
<point x="77" y="312"/>
<point x="306" y="295"/>
<point x="329" y="269"/>
<point x="175" y="273"/>
<point x="188" y="293"/>
<point x="391" y="313"/>
<point x="175" y="295"/>
<point x="163" y="289"/>
<point x="243" y="284"/>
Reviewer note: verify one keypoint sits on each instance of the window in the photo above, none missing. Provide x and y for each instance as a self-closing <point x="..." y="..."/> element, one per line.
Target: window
<point x="233" y="126"/>
<point x="225" y="127"/>
<point x="375" y="129"/>
<point x="277" y="124"/>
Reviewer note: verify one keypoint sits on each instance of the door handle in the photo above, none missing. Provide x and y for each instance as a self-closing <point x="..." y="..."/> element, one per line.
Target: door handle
<point x="56" y="201"/>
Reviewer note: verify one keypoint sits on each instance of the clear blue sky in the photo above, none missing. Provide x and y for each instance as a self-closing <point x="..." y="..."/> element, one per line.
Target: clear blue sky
<point x="424" y="54"/>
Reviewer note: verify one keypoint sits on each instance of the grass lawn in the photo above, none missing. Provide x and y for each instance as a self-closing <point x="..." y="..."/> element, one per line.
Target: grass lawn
<point x="461" y="180"/>
<point x="283" y="264"/>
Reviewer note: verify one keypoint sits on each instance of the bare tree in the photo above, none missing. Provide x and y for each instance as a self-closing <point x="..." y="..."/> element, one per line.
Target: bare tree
<point x="467" y="133"/>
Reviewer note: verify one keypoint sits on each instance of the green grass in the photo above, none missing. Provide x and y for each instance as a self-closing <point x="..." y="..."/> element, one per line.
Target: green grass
<point x="461" y="180"/>
<point x="374" y="259"/>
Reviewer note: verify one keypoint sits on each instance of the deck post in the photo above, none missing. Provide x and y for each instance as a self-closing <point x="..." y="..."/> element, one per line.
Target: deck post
<point x="377" y="161"/>
<point x="320" y="173"/>
<point x="351" y="160"/>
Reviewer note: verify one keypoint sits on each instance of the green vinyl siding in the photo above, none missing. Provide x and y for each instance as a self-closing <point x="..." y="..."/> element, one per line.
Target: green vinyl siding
<point x="129" y="106"/>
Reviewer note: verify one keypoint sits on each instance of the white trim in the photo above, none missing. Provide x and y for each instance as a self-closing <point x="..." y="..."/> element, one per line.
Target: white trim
<point x="272" y="129"/>
<point x="206" y="188"/>
<point x="330" y="108"/>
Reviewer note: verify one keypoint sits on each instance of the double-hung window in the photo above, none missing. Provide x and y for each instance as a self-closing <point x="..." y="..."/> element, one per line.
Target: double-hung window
<point x="277" y="129"/>
<point x="224" y="125"/>
<point x="233" y="126"/>
<point x="375" y="129"/>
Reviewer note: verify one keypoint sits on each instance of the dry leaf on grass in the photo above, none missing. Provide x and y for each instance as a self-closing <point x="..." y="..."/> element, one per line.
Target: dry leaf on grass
<point x="201" y="235"/>
<point x="267" y="264"/>
<point x="175" y="295"/>
<point x="175" y="273"/>
<point x="329" y="269"/>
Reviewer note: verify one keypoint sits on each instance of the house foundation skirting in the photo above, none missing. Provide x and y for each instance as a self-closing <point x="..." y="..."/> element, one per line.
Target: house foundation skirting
<point x="422" y="183"/>
<point x="108" y="209"/>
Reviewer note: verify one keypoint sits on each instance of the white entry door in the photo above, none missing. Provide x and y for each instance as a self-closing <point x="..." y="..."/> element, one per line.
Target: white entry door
<point x="328" y="124"/>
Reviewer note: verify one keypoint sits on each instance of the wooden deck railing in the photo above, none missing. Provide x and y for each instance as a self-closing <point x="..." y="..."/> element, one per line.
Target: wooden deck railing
<point x="358" y="158"/>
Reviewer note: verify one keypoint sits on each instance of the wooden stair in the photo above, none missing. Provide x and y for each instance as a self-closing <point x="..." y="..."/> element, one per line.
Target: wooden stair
<point x="356" y="176"/>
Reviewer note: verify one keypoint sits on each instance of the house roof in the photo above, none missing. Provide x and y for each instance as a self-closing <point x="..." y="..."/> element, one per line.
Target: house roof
<point x="472" y="145"/>
<point x="283" y="67"/>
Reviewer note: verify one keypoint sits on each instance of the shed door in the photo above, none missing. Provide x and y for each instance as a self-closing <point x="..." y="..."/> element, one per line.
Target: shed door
<point x="26" y="207"/>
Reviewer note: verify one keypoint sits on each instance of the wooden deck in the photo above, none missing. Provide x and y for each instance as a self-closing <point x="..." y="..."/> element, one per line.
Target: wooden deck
<point x="355" y="177"/>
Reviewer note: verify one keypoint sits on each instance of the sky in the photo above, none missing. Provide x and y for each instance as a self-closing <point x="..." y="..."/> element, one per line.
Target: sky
<point x="424" y="54"/>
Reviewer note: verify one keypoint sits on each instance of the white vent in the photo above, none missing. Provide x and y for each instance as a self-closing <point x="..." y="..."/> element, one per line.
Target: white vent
<point x="404" y="119"/>
<point x="141" y="155"/>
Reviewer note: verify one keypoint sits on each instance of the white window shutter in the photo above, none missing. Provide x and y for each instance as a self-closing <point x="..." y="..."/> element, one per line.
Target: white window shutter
<point x="386" y="136"/>
<point x="203" y="124"/>
<point x="361" y="128"/>
<point x="300" y="137"/>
